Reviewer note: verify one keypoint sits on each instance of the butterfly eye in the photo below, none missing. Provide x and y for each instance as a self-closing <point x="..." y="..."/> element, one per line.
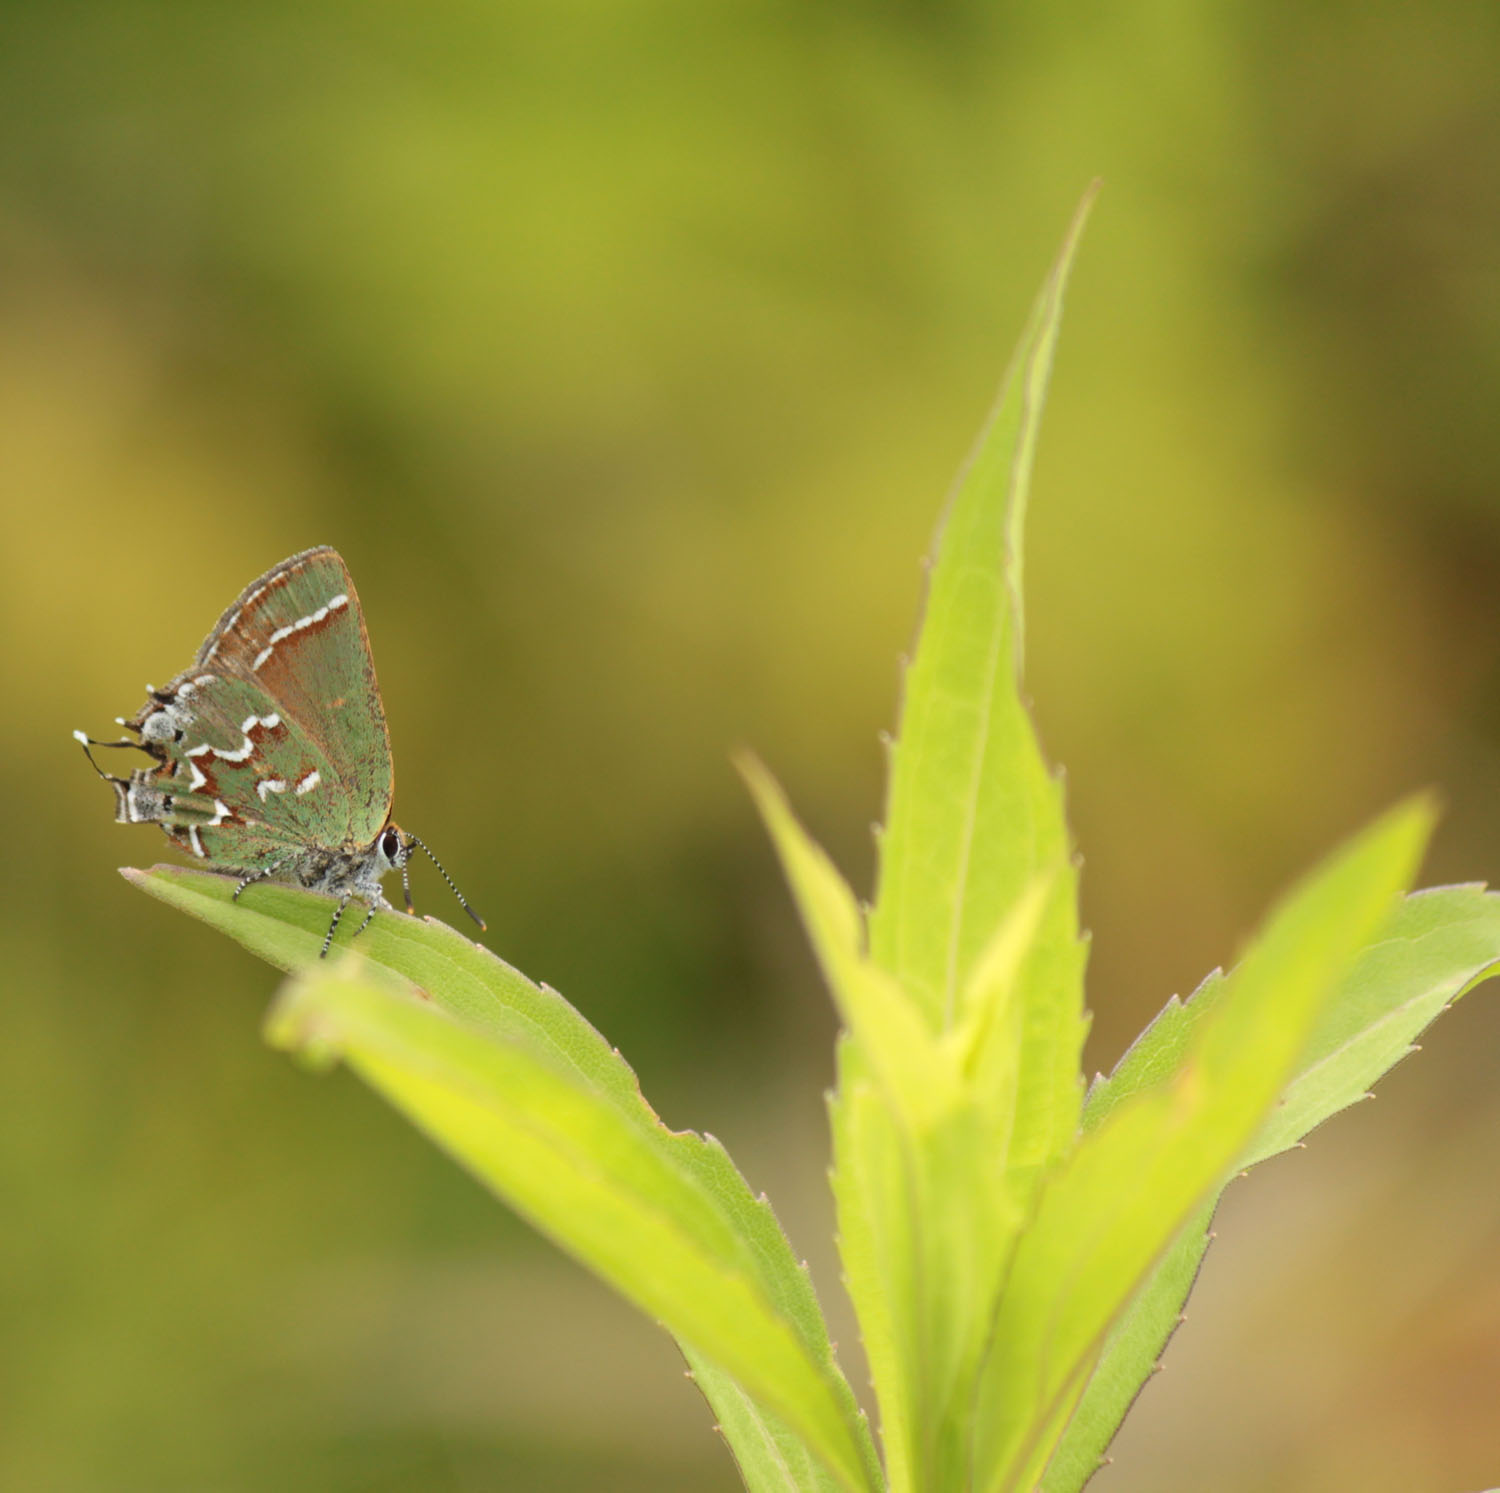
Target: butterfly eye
<point x="390" y="845"/>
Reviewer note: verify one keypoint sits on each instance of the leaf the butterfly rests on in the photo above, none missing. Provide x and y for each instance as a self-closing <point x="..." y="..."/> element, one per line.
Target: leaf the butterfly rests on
<point x="271" y="753"/>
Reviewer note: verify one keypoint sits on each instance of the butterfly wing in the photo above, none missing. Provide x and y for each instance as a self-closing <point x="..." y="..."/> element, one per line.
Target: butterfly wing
<point x="274" y="744"/>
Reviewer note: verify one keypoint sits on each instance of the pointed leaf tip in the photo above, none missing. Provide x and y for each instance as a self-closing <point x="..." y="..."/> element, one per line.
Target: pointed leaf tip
<point x="887" y="1025"/>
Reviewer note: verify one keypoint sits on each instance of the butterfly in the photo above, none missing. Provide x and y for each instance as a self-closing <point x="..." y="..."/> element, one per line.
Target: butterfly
<point x="270" y="753"/>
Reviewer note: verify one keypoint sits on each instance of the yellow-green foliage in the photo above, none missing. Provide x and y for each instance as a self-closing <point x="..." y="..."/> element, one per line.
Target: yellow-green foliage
<point x="1016" y="1257"/>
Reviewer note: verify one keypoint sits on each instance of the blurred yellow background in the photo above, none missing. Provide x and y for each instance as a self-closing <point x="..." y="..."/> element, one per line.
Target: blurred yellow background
<point x="626" y="351"/>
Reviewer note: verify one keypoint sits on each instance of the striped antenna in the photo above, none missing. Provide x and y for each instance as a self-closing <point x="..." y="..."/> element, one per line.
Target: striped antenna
<point x="405" y="886"/>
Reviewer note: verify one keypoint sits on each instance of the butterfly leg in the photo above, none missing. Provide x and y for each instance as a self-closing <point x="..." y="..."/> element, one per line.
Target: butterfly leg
<point x="369" y="913"/>
<point x="338" y="912"/>
<point x="260" y="875"/>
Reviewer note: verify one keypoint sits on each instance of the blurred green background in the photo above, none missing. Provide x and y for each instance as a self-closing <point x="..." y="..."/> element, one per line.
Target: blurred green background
<point x="626" y="351"/>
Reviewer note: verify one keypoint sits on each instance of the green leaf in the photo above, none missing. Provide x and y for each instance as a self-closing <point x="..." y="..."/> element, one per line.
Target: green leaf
<point x="917" y="1155"/>
<point x="1146" y="1169"/>
<point x="921" y="1226"/>
<point x="958" y="1081"/>
<point x="512" y="1080"/>
<point x="875" y="1217"/>
<point x="974" y="814"/>
<point x="916" y="1075"/>
<point x="986" y="1041"/>
<point x="1435" y="946"/>
<point x="922" y="1133"/>
<point x="1133" y="1349"/>
<point x="1438" y="944"/>
<point x="771" y="1456"/>
<point x="892" y="1086"/>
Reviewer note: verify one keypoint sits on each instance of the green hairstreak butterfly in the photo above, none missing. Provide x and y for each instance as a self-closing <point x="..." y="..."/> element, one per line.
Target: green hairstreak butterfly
<point x="270" y="753"/>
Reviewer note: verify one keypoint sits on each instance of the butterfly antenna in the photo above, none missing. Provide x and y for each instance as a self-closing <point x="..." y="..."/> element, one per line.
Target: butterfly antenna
<point x="124" y="813"/>
<point x="88" y="741"/>
<point x="462" y="902"/>
<point x="406" y="877"/>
